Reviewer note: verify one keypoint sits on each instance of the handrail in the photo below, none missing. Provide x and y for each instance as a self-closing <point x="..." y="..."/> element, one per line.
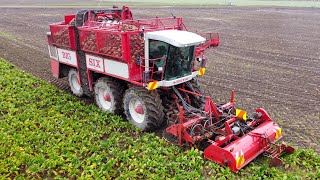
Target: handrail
<point x="212" y="41"/>
<point x="152" y="67"/>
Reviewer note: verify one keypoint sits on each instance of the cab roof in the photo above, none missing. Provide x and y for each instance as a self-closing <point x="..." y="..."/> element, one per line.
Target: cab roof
<point x="176" y="38"/>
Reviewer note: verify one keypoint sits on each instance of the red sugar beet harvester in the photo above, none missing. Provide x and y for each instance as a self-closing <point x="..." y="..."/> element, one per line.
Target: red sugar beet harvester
<point x="149" y="69"/>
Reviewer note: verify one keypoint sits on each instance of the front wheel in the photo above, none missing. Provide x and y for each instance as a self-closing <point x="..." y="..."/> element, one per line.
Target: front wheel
<point x="74" y="83"/>
<point x="143" y="108"/>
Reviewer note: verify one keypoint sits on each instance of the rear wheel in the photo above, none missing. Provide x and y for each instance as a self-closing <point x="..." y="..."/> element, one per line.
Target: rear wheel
<point x="74" y="82"/>
<point x="109" y="94"/>
<point x="143" y="108"/>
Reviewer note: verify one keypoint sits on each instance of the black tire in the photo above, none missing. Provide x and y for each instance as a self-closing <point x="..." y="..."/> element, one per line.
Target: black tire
<point x="75" y="86"/>
<point x="115" y="88"/>
<point x="153" y="115"/>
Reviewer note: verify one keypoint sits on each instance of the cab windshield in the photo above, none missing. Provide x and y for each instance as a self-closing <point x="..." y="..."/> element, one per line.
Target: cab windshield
<point x="178" y="60"/>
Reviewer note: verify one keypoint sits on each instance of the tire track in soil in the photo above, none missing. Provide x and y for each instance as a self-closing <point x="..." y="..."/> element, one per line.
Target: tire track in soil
<point x="257" y="82"/>
<point x="275" y="59"/>
<point x="266" y="94"/>
<point x="295" y="93"/>
<point x="266" y="90"/>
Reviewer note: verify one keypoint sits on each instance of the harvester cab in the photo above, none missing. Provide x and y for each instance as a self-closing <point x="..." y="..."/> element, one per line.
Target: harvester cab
<point x="149" y="69"/>
<point x="170" y="54"/>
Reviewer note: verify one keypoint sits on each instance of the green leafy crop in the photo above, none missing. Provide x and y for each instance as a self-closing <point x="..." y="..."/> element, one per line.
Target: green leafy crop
<point x="48" y="133"/>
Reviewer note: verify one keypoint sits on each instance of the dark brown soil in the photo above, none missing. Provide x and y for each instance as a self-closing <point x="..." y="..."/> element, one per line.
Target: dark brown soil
<point x="269" y="56"/>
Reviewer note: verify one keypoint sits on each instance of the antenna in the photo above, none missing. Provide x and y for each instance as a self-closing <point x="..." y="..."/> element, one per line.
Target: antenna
<point x="173" y="15"/>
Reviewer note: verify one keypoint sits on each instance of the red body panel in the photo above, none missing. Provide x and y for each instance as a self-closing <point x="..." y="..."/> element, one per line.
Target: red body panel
<point x="62" y="35"/>
<point x="55" y="68"/>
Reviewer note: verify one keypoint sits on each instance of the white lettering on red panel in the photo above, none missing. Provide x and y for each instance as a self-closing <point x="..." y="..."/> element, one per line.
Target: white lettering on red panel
<point x="95" y="63"/>
<point x="68" y="57"/>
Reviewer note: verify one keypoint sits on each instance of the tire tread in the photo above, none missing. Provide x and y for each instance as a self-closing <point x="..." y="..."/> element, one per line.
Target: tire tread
<point x="117" y="89"/>
<point x="153" y="103"/>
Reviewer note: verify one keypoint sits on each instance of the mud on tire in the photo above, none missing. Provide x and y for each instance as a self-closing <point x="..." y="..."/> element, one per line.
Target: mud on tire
<point x="114" y="89"/>
<point x="150" y="114"/>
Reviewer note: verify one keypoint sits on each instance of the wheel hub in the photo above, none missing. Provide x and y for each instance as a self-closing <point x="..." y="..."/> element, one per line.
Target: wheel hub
<point x="136" y="110"/>
<point x="107" y="97"/>
<point x="139" y="109"/>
